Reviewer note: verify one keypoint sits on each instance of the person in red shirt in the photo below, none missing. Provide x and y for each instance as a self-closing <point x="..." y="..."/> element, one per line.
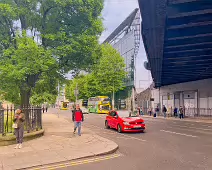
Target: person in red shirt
<point x="77" y="118"/>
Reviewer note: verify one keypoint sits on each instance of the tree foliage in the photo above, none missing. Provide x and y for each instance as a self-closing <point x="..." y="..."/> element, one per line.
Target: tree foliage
<point x="110" y="70"/>
<point x="42" y="40"/>
<point x="86" y="84"/>
<point x="108" y="74"/>
<point x="25" y="67"/>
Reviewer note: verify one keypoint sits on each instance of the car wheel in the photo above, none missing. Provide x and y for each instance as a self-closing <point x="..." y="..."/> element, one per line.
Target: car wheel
<point x="106" y="125"/>
<point x="119" y="129"/>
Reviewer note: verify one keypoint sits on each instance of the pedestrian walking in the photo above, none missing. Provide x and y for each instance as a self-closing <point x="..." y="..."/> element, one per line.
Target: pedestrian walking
<point x="140" y="112"/>
<point x="18" y="125"/>
<point x="77" y="118"/>
<point x="181" y="112"/>
<point x="43" y="109"/>
<point x="157" y="110"/>
<point x="164" y="111"/>
<point x="150" y="111"/>
<point x="46" y="108"/>
<point x="175" y="112"/>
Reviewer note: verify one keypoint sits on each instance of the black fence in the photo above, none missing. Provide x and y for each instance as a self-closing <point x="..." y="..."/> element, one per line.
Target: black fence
<point x="188" y="112"/>
<point x="33" y="119"/>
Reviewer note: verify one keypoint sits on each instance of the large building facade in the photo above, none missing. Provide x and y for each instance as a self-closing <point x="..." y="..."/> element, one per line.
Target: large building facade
<point x="177" y="36"/>
<point x="126" y="40"/>
<point x="195" y="97"/>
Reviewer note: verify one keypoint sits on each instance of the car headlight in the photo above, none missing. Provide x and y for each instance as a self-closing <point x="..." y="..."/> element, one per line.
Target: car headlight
<point x="126" y="123"/>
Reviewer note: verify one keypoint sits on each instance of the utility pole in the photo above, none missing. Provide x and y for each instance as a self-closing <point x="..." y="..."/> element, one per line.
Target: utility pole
<point x="113" y="100"/>
<point x="58" y="98"/>
<point x="76" y="92"/>
<point x="133" y="99"/>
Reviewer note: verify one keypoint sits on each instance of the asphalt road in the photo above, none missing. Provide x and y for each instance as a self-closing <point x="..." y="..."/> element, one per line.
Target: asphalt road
<point x="166" y="145"/>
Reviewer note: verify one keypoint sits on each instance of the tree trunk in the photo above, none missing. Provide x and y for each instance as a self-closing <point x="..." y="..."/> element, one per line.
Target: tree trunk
<point x="25" y="96"/>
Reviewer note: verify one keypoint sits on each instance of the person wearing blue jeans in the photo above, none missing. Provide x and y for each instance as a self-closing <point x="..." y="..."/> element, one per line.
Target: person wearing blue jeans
<point x="77" y="118"/>
<point x="77" y="125"/>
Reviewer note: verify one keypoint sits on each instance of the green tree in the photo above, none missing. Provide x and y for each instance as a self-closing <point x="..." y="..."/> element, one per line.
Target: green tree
<point x="110" y="70"/>
<point x="108" y="74"/>
<point x="23" y="68"/>
<point x="86" y="85"/>
<point x="67" y="32"/>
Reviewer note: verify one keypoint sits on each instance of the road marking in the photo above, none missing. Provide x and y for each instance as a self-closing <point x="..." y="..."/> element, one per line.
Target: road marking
<point x="77" y="163"/>
<point x="109" y="133"/>
<point x="131" y="137"/>
<point x="192" y="127"/>
<point x="191" y="121"/>
<point x="183" y="134"/>
<point x="207" y="126"/>
<point x="121" y="137"/>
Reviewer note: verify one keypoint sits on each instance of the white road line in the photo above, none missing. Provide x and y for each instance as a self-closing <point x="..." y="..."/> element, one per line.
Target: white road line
<point x="179" y="133"/>
<point x="120" y="137"/>
<point x="109" y="133"/>
<point x="186" y="121"/>
<point x="195" y="126"/>
<point x="186" y="125"/>
<point x="190" y="127"/>
<point x="207" y="126"/>
<point x="131" y="137"/>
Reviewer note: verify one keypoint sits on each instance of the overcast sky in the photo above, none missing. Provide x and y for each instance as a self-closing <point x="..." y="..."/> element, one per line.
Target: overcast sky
<point x="114" y="13"/>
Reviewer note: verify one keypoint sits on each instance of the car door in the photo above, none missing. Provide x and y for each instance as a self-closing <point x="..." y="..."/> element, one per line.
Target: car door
<point x="109" y="119"/>
<point x="114" y="120"/>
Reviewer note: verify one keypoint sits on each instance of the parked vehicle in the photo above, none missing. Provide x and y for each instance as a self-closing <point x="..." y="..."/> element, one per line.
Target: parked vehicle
<point x="124" y="121"/>
<point x="99" y="104"/>
<point x="64" y="106"/>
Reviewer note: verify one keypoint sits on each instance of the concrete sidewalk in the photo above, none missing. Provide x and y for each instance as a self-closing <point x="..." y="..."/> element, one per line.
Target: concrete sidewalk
<point x="184" y="119"/>
<point x="58" y="144"/>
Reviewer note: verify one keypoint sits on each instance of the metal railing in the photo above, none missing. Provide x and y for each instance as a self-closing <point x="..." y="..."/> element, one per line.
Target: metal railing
<point x="33" y="119"/>
<point x="198" y="112"/>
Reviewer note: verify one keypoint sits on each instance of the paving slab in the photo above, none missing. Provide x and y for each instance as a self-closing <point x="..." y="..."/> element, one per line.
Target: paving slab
<point x="58" y="144"/>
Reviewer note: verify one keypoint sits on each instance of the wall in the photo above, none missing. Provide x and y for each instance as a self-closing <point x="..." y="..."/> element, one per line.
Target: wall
<point x="196" y="94"/>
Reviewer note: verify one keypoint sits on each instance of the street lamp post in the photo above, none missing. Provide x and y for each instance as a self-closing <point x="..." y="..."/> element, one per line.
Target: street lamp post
<point x="58" y="97"/>
<point x="113" y="100"/>
<point x="133" y="99"/>
<point x="76" y="92"/>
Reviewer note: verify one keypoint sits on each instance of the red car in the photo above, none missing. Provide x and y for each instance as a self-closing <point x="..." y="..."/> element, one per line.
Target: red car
<point x="123" y="121"/>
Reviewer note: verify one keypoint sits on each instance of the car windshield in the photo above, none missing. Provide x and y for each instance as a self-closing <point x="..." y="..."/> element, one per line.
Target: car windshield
<point x="126" y="113"/>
